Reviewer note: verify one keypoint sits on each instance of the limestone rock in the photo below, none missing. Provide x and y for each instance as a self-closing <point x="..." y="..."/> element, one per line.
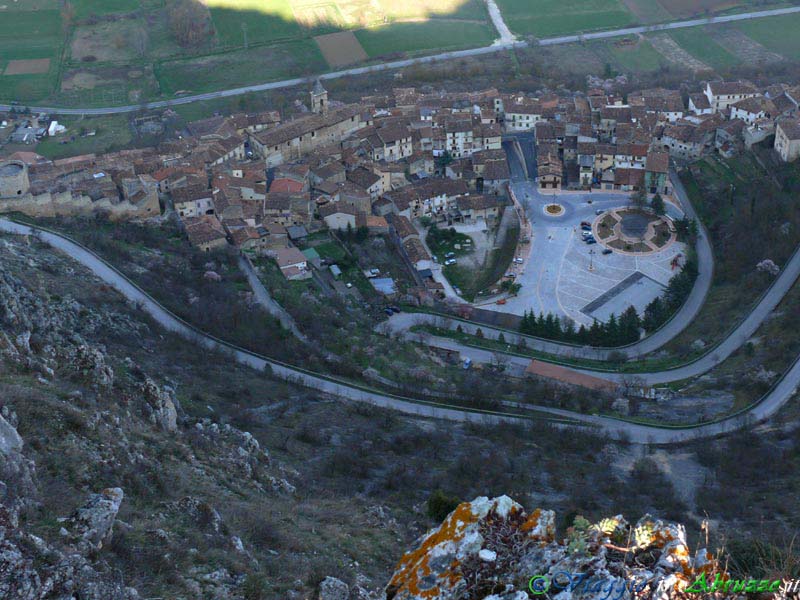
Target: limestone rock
<point x="333" y="589"/>
<point x="30" y="569"/>
<point x="438" y="568"/>
<point x="91" y="364"/>
<point x="9" y="438"/>
<point x="92" y="524"/>
<point x="491" y="549"/>
<point x="160" y="405"/>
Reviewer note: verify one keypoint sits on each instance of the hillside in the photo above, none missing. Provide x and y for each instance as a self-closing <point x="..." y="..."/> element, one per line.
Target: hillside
<point x="101" y="410"/>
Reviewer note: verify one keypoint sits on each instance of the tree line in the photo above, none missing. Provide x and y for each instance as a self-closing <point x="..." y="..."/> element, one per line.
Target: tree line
<point x="617" y="331"/>
<point x="614" y="332"/>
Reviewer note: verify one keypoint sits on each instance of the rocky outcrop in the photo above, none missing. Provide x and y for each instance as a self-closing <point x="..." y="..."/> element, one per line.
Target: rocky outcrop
<point x="91" y="525"/>
<point x="46" y="335"/>
<point x="30" y="567"/>
<point x="239" y="452"/>
<point x="17" y="473"/>
<point x="160" y="404"/>
<point x="333" y="589"/>
<point x="493" y="549"/>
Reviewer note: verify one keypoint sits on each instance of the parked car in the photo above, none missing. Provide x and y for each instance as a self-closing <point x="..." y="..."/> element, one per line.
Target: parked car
<point x="586" y="229"/>
<point x="348" y="284"/>
<point x="394" y="308"/>
<point x="450" y="261"/>
<point x="457" y="290"/>
<point x="591" y="241"/>
<point x="467" y="363"/>
<point x="501" y="301"/>
<point x="599" y="211"/>
<point x="450" y="255"/>
<point x="586" y="235"/>
<point x="388" y="311"/>
<point x="586" y="224"/>
<point x="607" y="250"/>
<point x="511" y="275"/>
<point x="519" y="261"/>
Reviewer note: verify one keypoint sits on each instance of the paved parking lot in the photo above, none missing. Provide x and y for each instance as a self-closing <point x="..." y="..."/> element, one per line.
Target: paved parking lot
<point x="556" y="276"/>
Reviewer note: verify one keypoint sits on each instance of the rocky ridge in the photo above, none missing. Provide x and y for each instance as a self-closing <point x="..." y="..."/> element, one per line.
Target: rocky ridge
<point x="492" y="549"/>
<point x="114" y="425"/>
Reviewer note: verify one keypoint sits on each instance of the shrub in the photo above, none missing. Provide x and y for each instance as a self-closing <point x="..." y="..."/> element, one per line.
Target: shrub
<point x="440" y="505"/>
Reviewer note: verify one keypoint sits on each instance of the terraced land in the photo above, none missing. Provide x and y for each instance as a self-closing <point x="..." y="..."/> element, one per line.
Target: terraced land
<point x="698" y="42"/>
<point x="778" y="34"/>
<point x="126" y="51"/>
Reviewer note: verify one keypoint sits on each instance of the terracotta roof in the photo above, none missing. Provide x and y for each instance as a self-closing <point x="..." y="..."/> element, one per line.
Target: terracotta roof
<point x="286" y="185"/>
<point x="657" y="161"/>
<point x="564" y="375"/>
<point x="791" y="128"/>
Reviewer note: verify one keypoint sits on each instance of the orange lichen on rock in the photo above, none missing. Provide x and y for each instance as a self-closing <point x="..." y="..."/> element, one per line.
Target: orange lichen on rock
<point x="414" y="565"/>
<point x="540" y="525"/>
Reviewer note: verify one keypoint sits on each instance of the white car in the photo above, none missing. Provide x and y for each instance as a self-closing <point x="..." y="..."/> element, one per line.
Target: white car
<point x="450" y="261"/>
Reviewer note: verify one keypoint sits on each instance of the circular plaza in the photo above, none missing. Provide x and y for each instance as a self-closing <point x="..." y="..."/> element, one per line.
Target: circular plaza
<point x="634" y="231"/>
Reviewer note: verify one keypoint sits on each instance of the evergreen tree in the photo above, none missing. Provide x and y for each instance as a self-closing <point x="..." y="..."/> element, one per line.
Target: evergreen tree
<point x="611" y="331"/>
<point x="657" y="204"/>
<point x="629" y="324"/>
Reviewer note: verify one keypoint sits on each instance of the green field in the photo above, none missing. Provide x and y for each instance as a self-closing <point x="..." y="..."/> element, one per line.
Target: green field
<point x="779" y="34"/>
<point x="649" y="11"/>
<point x="559" y="17"/>
<point x="415" y="37"/>
<point x="115" y="56"/>
<point x="130" y="58"/>
<point x="86" y="8"/>
<point x="240" y="68"/>
<point x="233" y="19"/>
<point x="112" y="133"/>
<point x="44" y="40"/>
<point x="642" y="57"/>
<point x="701" y="45"/>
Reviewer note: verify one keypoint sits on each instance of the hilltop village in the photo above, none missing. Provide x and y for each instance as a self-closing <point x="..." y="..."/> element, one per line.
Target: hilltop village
<point x="259" y="181"/>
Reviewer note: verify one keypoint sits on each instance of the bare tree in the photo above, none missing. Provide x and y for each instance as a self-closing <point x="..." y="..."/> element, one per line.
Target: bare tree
<point x="190" y="22"/>
<point x="139" y="40"/>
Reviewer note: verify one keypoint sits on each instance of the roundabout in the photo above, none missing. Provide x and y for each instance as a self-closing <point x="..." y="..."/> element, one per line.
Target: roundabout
<point x="553" y="210"/>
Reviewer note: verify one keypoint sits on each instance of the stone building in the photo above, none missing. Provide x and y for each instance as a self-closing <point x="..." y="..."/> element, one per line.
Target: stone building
<point x="14" y="180"/>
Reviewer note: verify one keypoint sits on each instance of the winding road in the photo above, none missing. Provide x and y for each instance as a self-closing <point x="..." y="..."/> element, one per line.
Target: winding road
<point x="781" y="393"/>
<point x="505" y="42"/>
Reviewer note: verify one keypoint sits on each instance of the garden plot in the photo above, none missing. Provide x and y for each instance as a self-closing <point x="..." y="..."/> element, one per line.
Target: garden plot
<point x="32" y="66"/>
<point x="670" y="50"/>
<point x="744" y="47"/>
<point x="340" y="49"/>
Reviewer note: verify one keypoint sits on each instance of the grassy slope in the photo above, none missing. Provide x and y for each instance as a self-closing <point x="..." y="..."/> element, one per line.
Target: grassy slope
<point x="86" y="8"/>
<point x="642" y="57"/>
<point x="558" y="17"/>
<point x="240" y="68"/>
<point x="779" y="34"/>
<point x="44" y="40"/>
<point x="411" y="37"/>
<point x="699" y="44"/>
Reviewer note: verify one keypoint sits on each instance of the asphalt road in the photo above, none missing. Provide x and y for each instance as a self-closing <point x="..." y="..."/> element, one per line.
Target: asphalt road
<point x="732" y="342"/>
<point x="685" y="315"/>
<point x="498" y="46"/>
<point x="632" y="432"/>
